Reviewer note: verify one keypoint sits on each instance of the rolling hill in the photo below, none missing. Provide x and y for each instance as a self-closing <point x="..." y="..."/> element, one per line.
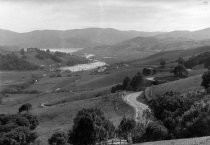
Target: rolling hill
<point x="76" y="38"/>
<point x="194" y="35"/>
<point x="171" y="55"/>
<point x="139" y="47"/>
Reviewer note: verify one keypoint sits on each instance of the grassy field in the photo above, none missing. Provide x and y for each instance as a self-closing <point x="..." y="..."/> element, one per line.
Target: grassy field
<point x="83" y="91"/>
<point x="182" y="85"/>
<point x="60" y="115"/>
<point x="16" y="77"/>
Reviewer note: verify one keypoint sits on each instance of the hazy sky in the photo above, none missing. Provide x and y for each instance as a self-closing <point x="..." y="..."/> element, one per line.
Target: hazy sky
<point x="143" y="15"/>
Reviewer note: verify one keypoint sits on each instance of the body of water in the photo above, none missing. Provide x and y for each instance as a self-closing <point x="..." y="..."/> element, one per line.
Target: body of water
<point x="66" y="50"/>
<point x="82" y="67"/>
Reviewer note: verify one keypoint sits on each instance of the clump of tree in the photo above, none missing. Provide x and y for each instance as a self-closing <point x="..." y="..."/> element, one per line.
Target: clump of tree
<point x="25" y="107"/>
<point x="162" y="63"/>
<point x="90" y="127"/>
<point x="155" y="131"/>
<point x="73" y="60"/>
<point x="58" y="138"/>
<point x="22" y="51"/>
<point x="182" y="115"/>
<point x="206" y="80"/>
<point x="13" y="62"/>
<point x="203" y="58"/>
<point x="148" y="71"/>
<point x="126" y="127"/>
<point x="41" y="54"/>
<point x="137" y="83"/>
<point x="181" y="60"/>
<point x="18" y="129"/>
<point x="180" y="71"/>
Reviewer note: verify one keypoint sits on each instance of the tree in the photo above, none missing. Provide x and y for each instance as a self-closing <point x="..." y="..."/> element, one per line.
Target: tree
<point x="33" y="120"/>
<point x="180" y="71"/>
<point x="90" y="126"/>
<point x="181" y="60"/>
<point x="147" y="71"/>
<point x="58" y="138"/>
<point x="155" y="131"/>
<point x="206" y="80"/>
<point x="137" y="82"/>
<point x="162" y="63"/>
<point x="126" y="126"/>
<point x="18" y="136"/>
<point x="48" y="51"/>
<point x="127" y="84"/>
<point x="25" y="107"/>
<point x="22" y="51"/>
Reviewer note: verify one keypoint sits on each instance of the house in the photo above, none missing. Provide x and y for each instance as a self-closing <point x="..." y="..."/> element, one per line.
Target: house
<point x="32" y="49"/>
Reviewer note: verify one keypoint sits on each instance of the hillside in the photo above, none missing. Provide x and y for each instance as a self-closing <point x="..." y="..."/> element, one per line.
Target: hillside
<point x="191" y="141"/>
<point x="194" y="35"/>
<point x="171" y="55"/>
<point x="76" y="38"/>
<point x="141" y="47"/>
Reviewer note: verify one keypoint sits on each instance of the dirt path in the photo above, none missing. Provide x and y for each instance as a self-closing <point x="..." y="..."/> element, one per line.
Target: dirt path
<point x="139" y="107"/>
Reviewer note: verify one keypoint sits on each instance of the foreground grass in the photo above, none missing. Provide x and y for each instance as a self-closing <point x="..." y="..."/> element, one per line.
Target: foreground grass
<point x="191" y="141"/>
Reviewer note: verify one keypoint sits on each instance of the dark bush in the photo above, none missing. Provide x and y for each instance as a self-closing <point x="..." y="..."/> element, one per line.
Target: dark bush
<point x="90" y="126"/>
<point x="25" y="107"/>
<point x="58" y="138"/>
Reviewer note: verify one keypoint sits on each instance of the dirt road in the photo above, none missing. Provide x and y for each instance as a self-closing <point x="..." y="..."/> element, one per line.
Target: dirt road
<point x="139" y="107"/>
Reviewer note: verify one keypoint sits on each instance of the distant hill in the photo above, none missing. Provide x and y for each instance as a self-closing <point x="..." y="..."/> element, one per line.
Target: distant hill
<point x="109" y="44"/>
<point x="76" y="38"/>
<point x="139" y="47"/>
<point x="171" y="55"/>
<point x="194" y="35"/>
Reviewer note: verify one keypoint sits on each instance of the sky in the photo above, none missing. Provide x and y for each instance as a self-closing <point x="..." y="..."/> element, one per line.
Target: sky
<point x="141" y="15"/>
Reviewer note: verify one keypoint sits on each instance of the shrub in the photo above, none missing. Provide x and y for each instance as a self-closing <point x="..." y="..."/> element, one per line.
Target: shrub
<point x="33" y="120"/>
<point x="126" y="127"/>
<point x="206" y="80"/>
<point x="137" y="82"/>
<point x="90" y="126"/>
<point x="58" y="138"/>
<point x="162" y="63"/>
<point x="127" y="84"/>
<point x="18" y="136"/>
<point x="180" y="71"/>
<point x="25" y="107"/>
<point x="155" y="131"/>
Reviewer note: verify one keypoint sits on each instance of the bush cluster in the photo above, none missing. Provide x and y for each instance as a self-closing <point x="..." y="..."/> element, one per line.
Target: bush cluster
<point x="137" y="83"/>
<point x="18" y="129"/>
<point x="41" y="54"/>
<point x="183" y="115"/>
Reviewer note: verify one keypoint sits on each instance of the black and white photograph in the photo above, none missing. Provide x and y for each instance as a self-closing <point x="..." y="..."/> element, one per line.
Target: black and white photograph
<point x="104" y="72"/>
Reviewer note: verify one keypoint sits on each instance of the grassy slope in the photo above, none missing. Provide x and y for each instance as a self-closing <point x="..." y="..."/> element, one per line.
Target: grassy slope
<point x="170" y="55"/>
<point x="15" y="77"/>
<point x="60" y="116"/>
<point x="65" y="105"/>
<point x="181" y="85"/>
<point x="191" y="141"/>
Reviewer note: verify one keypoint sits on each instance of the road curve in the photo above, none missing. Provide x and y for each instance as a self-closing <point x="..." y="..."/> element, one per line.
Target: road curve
<point x="131" y="99"/>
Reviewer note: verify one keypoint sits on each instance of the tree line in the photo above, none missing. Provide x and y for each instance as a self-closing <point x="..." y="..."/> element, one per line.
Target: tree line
<point x="13" y="62"/>
<point x="137" y="83"/>
<point x="18" y="129"/>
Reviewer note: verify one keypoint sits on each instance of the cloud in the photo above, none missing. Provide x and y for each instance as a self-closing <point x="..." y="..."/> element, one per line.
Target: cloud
<point x="146" y="15"/>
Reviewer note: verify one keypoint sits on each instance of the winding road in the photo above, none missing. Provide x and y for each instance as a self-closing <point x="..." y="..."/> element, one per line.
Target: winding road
<point x="131" y="99"/>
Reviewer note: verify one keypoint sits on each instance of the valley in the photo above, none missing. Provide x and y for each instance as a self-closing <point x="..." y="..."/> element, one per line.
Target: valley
<point x="64" y="81"/>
